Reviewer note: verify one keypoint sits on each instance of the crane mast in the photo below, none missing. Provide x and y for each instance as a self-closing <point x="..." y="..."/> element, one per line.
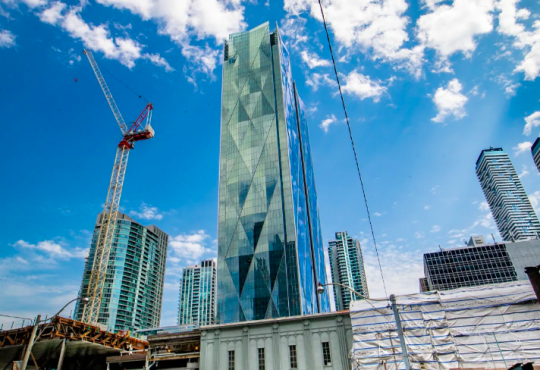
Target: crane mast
<point x="108" y="217"/>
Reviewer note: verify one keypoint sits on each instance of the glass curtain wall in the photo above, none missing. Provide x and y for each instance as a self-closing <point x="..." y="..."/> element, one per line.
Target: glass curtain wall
<point x="268" y="261"/>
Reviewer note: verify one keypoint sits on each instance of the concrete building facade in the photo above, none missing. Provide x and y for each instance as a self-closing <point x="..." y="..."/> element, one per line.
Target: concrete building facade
<point x="197" y="303"/>
<point x="270" y="248"/>
<point x="133" y="292"/>
<point x="311" y="342"/>
<point x="509" y="204"/>
<point x="480" y="264"/>
<point x="347" y="266"/>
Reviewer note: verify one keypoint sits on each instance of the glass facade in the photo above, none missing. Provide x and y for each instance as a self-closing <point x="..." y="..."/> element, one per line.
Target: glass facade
<point x="347" y="266"/>
<point x="270" y="252"/>
<point x="133" y="289"/>
<point x="509" y="204"/>
<point x="198" y="294"/>
<point x="468" y="266"/>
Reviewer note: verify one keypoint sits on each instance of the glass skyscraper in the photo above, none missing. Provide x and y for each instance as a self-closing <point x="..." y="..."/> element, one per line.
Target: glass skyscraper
<point x="347" y="266"/>
<point x="270" y="250"/>
<point x="133" y="288"/>
<point x="510" y="206"/>
<point x="197" y="303"/>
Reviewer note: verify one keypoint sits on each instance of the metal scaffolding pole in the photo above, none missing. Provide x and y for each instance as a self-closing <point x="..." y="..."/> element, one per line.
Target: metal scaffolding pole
<point x="400" y="333"/>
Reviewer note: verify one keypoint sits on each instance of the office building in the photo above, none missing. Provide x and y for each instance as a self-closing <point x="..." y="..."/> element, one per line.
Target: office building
<point x="480" y="264"/>
<point x="423" y="283"/>
<point x="198" y="294"/>
<point x="133" y="290"/>
<point x="510" y="206"/>
<point x="347" y="266"/>
<point x="535" y="151"/>
<point x="270" y="250"/>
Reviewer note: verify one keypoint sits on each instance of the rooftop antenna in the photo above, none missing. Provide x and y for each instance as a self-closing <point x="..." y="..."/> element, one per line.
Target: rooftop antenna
<point x="464" y="241"/>
<point x="494" y="242"/>
<point x="440" y="248"/>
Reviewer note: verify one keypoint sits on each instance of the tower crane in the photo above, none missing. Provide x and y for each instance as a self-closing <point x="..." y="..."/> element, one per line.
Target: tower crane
<point x="130" y="135"/>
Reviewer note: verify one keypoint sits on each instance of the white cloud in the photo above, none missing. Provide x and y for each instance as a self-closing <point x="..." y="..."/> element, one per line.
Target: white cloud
<point x="95" y="38"/>
<point x="362" y="86"/>
<point x="185" y="20"/>
<point x="316" y="79"/>
<point x="159" y="61"/>
<point x="435" y="229"/>
<point x="522" y="148"/>
<point x="181" y="20"/>
<point x="453" y="28"/>
<point x="378" y="214"/>
<point x="147" y="212"/>
<point x="524" y="172"/>
<point x="204" y="59"/>
<point x="393" y="258"/>
<point x="530" y="122"/>
<point x="450" y="101"/>
<point x="7" y="39"/>
<point x="53" y="14"/>
<point x="53" y="249"/>
<point x="434" y="189"/>
<point x="427" y="207"/>
<point x="418" y="235"/>
<point x="325" y="125"/>
<point x="528" y="41"/>
<point x="189" y="246"/>
<point x="510" y="90"/>
<point x="30" y="3"/>
<point x="376" y="26"/>
<point x="313" y="61"/>
<point x="484" y="206"/>
<point x="294" y="30"/>
<point x="534" y="198"/>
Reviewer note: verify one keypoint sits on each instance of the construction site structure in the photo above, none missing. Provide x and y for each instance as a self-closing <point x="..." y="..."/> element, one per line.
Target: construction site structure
<point x="134" y="133"/>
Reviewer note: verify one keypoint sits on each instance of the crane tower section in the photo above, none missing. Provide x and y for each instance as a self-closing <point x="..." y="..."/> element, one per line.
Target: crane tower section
<point x="139" y="130"/>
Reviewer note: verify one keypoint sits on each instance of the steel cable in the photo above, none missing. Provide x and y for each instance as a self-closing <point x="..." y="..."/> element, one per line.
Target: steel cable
<point x="352" y="142"/>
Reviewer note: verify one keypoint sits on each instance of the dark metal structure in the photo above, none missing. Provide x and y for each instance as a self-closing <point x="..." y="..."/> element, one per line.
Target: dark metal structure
<point x="72" y="344"/>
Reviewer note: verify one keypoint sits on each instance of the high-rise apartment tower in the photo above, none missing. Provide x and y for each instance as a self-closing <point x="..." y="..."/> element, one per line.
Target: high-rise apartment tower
<point x="270" y="250"/>
<point x="135" y="276"/>
<point x="347" y="266"/>
<point x="510" y="206"/>
<point x="198" y="294"/>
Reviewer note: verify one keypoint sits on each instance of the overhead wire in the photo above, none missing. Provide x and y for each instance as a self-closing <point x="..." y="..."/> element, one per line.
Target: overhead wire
<point x="353" y="146"/>
<point x="125" y="85"/>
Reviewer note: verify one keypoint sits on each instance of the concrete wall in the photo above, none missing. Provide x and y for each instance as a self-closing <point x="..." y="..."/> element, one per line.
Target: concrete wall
<point x="275" y="336"/>
<point x="524" y="254"/>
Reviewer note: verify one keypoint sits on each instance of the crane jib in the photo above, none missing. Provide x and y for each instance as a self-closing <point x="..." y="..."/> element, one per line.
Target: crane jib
<point x="96" y="283"/>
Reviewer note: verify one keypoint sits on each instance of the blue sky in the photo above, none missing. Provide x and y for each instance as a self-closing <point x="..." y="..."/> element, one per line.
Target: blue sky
<point x="428" y="85"/>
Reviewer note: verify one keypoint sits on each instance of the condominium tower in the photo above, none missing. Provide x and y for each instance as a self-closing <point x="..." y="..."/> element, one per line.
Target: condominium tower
<point x="270" y="251"/>
<point x="510" y="206"/>
<point x="135" y="276"/>
<point x="198" y="294"/>
<point x="535" y="151"/>
<point x="347" y="266"/>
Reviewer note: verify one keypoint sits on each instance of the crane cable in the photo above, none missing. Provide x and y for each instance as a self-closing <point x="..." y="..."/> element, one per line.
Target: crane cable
<point x="353" y="147"/>
<point x="125" y="85"/>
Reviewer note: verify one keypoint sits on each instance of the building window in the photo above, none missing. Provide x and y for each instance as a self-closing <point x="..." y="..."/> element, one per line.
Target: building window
<point x="261" y="359"/>
<point x="292" y="357"/>
<point x="231" y="360"/>
<point x="326" y="354"/>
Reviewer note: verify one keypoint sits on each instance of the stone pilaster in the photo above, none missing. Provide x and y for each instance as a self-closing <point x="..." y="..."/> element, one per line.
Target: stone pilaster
<point x="275" y="346"/>
<point x="308" y="348"/>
